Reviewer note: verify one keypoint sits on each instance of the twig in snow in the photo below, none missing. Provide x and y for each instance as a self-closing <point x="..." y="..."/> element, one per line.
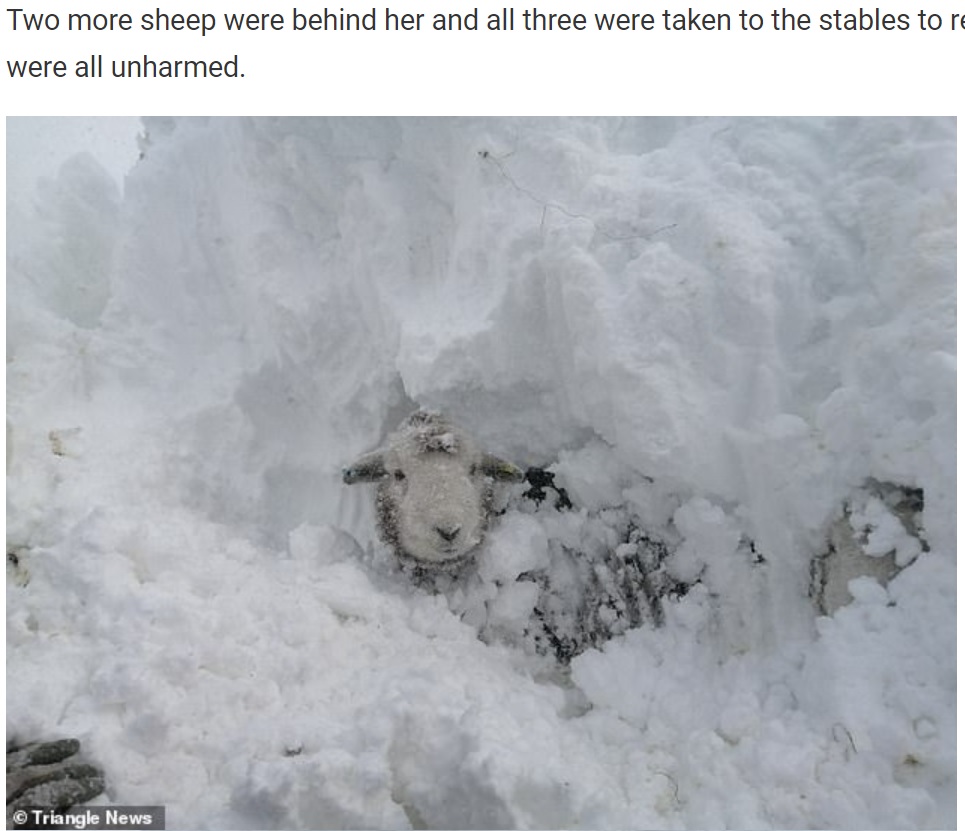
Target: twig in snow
<point x="547" y="205"/>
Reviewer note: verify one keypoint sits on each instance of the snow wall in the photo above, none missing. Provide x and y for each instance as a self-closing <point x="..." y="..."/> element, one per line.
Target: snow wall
<point x="717" y="328"/>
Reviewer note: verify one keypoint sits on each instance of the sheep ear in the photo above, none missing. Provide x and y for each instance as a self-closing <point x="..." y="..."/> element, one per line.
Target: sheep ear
<point x="369" y="468"/>
<point x="500" y="469"/>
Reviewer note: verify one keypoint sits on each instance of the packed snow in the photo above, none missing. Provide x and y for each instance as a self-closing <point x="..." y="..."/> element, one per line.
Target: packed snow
<point x="730" y="341"/>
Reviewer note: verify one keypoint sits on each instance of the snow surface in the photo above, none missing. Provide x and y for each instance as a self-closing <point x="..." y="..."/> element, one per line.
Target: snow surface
<point x="714" y="330"/>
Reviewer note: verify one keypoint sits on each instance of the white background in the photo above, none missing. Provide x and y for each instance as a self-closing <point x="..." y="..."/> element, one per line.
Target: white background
<point x="521" y="72"/>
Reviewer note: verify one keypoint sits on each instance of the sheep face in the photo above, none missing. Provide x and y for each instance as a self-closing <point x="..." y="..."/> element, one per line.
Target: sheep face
<point x="435" y="494"/>
<point x="433" y="507"/>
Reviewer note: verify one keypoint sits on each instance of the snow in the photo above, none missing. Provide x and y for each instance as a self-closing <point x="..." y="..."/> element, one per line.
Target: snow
<point x="712" y="331"/>
<point x="885" y="533"/>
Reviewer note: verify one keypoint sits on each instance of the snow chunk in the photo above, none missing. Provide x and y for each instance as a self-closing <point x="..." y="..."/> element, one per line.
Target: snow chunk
<point x="321" y="544"/>
<point x="518" y="544"/>
<point x="883" y="533"/>
<point x="709" y="536"/>
<point x="868" y="591"/>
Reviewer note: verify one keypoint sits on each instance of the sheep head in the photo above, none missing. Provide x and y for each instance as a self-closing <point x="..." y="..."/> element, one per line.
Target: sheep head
<point x="435" y="489"/>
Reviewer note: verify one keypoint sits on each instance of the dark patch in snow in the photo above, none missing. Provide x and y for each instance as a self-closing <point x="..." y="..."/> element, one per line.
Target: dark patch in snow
<point x="49" y="775"/>
<point x="878" y="517"/>
<point x="540" y="480"/>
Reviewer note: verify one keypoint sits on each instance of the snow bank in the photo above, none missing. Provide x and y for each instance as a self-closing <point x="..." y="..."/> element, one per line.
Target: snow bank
<point x="713" y="330"/>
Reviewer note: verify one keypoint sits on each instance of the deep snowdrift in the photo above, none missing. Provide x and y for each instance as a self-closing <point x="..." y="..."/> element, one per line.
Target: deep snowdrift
<point x="713" y="331"/>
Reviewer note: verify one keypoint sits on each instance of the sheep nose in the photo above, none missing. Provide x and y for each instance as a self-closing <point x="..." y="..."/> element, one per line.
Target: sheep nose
<point x="448" y="532"/>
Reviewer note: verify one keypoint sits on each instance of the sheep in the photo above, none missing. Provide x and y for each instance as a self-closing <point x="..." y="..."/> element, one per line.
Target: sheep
<point x="435" y="495"/>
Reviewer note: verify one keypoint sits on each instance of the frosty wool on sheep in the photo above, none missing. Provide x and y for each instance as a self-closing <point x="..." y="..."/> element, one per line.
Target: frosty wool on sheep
<point x="435" y="495"/>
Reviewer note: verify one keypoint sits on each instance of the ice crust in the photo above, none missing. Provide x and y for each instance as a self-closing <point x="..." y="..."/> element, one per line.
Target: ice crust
<point x="714" y="330"/>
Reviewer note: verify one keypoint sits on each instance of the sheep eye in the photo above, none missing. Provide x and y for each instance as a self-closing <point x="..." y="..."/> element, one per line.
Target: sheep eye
<point x="399" y="475"/>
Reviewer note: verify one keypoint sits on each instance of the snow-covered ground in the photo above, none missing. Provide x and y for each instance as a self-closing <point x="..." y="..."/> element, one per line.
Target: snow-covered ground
<point x="714" y="332"/>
